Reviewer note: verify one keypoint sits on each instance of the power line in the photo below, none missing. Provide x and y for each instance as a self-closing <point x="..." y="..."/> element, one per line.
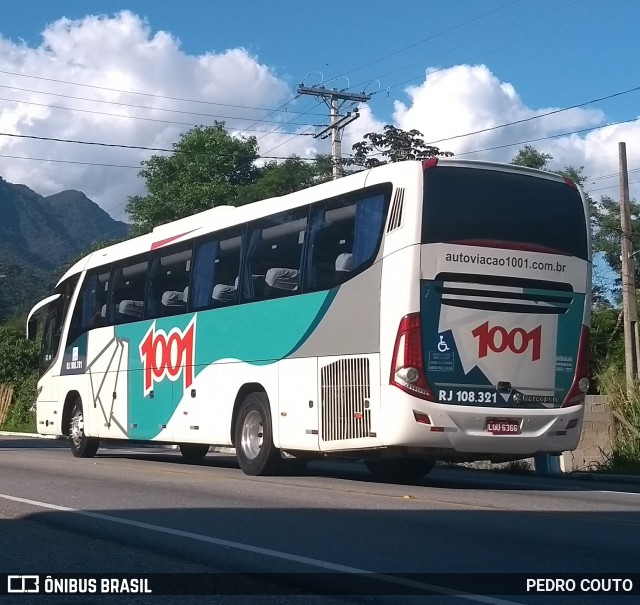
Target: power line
<point x="58" y="161"/>
<point x="133" y="92"/>
<point x="613" y="174"/>
<point x="427" y="39"/>
<point x="553" y="136"/>
<point x="183" y="112"/>
<point x="537" y="117"/>
<point x="466" y="44"/>
<point x="100" y="164"/>
<point x="157" y="120"/>
<point x="615" y="185"/>
<point x="95" y="143"/>
<point x="513" y="43"/>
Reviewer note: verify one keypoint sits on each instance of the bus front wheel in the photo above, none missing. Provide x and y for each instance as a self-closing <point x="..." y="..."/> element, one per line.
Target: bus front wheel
<point x="254" y="437"/>
<point x="81" y="445"/>
<point x="399" y="469"/>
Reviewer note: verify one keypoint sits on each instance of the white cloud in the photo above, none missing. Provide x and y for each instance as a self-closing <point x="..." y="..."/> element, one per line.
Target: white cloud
<point x="466" y="98"/>
<point x="119" y="52"/>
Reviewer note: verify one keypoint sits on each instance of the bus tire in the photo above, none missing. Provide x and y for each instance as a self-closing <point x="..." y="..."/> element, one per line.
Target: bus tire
<point x="254" y="437"/>
<point x="81" y="445"/>
<point x="399" y="469"/>
<point x="193" y="452"/>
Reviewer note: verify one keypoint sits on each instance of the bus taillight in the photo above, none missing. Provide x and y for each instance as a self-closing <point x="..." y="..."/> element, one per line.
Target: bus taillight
<point x="580" y="384"/>
<point x="407" y="365"/>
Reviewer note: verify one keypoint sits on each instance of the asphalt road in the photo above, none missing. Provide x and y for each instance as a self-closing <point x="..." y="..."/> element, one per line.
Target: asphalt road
<point x="146" y="511"/>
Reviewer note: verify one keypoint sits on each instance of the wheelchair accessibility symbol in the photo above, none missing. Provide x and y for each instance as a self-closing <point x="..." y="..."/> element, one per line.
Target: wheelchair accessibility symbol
<point x="443" y="347"/>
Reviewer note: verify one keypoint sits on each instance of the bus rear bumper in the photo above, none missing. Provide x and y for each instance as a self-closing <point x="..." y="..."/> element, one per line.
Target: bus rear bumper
<point x="411" y="422"/>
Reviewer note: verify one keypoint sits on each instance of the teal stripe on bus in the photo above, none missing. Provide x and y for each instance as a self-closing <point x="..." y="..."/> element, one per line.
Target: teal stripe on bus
<point x="256" y="333"/>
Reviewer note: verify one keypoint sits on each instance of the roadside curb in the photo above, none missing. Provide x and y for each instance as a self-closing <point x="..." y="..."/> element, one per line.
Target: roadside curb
<point x="29" y="435"/>
<point x="573" y="475"/>
<point x="610" y="478"/>
<point x="213" y="450"/>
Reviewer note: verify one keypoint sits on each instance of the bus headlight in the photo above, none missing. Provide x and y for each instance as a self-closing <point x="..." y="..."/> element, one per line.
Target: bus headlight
<point x="583" y="384"/>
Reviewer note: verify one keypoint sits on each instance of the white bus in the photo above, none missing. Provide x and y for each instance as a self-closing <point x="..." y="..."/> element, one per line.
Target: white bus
<point x="406" y="314"/>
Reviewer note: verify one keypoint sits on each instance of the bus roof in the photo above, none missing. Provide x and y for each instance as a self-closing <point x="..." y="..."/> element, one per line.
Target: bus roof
<point x="222" y="217"/>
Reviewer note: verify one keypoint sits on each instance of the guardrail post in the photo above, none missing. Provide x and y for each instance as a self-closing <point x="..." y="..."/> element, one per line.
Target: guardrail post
<point x="547" y="464"/>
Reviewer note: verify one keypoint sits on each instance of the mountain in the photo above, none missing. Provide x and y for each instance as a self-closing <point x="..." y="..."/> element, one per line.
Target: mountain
<point x="39" y="234"/>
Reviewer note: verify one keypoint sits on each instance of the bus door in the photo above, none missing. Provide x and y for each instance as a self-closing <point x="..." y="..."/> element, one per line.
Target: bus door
<point x="45" y="322"/>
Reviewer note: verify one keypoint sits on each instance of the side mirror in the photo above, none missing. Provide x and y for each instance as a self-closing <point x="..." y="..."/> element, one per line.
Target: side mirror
<point x="32" y="329"/>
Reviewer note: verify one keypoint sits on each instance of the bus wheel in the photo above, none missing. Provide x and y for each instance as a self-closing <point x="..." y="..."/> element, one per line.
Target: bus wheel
<point x="193" y="452"/>
<point x="81" y="445"/>
<point x="254" y="437"/>
<point x="399" y="469"/>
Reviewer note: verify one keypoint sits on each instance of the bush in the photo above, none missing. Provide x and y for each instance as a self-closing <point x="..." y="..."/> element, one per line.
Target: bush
<point x="18" y="356"/>
<point x="626" y="410"/>
<point x="19" y="368"/>
<point x="21" y="417"/>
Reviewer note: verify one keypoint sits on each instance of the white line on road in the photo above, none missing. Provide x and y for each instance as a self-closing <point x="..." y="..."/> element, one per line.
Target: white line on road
<point x="336" y="567"/>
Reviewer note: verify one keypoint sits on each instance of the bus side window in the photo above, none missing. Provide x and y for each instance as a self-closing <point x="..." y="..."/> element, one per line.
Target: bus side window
<point x="168" y="283"/>
<point x="345" y="234"/>
<point x="274" y="256"/>
<point x="216" y="270"/>
<point x="126" y="300"/>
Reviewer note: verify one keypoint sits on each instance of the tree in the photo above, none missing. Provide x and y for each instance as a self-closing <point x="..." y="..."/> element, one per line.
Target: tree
<point x="532" y="158"/>
<point x="207" y="168"/>
<point x="607" y="236"/>
<point x="393" y="145"/>
<point x="276" y="179"/>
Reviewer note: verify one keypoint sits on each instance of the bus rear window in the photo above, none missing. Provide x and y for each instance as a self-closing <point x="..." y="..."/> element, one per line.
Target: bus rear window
<point x="472" y="205"/>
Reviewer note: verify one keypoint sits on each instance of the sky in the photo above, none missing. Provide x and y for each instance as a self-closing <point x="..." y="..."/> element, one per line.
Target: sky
<point x="137" y="74"/>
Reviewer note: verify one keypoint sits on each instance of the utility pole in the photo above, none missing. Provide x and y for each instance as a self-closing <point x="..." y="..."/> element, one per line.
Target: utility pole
<point x="335" y="99"/>
<point x="629" y="301"/>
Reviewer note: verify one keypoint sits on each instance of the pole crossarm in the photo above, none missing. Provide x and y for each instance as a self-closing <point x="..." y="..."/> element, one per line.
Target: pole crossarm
<point x="335" y="99"/>
<point x="340" y="124"/>
<point x="321" y="91"/>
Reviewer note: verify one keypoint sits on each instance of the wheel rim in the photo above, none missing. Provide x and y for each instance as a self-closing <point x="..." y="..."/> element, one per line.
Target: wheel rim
<point x="76" y="430"/>
<point x="252" y="434"/>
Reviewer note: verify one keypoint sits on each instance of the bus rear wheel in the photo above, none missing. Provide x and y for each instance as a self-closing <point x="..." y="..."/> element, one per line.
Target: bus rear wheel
<point x="81" y="445"/>
<point x="193" y="452"/>
<point x="254" y="437"/>
<point x="399" y="469"/>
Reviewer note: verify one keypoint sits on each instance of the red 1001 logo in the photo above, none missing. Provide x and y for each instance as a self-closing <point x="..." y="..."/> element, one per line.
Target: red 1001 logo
<point x="499" y="339"/>
<point x="168" y="355"/>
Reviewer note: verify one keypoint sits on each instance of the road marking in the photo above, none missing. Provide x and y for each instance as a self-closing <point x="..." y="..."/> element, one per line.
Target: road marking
<point x="335" y="567"/>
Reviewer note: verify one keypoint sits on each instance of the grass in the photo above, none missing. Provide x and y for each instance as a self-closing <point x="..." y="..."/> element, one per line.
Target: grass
<point x="516" y="466"/>
<point x="21" y="418"/>
<point x="625" y="408"/>
<point x="20" y="427"/>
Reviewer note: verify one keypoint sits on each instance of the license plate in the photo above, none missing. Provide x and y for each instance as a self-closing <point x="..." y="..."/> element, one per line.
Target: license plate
<point x="503" y="426"/>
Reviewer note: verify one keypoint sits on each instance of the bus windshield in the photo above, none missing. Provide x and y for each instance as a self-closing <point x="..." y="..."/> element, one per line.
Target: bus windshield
<point x="493" y="207"/>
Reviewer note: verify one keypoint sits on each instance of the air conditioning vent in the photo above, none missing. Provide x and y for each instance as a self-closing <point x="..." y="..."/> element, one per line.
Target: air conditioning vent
<point x="395" y="215"/>
<point x="345" y="393"/>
